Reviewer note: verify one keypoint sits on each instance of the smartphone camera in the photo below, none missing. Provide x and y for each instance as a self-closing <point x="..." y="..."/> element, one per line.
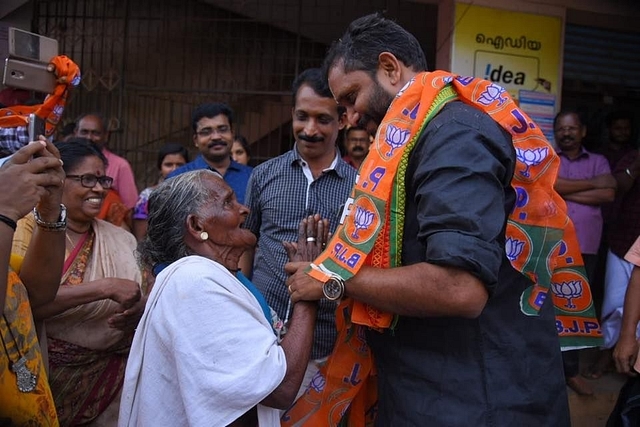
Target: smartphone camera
<point x="27" y="66"/>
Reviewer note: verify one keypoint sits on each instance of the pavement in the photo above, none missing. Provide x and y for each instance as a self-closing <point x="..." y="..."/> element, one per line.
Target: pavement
<point x="593" y="411"/>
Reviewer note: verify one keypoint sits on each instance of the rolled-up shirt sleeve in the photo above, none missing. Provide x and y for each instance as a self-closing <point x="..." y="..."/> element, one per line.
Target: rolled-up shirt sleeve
<point x="463" y="164"/>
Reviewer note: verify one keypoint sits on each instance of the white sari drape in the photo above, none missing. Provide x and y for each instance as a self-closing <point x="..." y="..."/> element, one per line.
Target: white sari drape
<point x="203" y="353"/>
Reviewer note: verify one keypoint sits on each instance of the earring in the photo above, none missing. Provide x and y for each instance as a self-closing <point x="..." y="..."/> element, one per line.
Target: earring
<point x="204" y="235"/>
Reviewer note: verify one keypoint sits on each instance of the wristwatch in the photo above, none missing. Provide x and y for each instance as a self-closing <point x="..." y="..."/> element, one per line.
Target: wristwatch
<point x="60" y="225"/>
<point x="333" y="289"/>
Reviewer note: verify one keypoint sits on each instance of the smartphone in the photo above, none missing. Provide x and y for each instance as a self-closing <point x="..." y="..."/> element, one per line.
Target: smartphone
<point x="28" y="75"/>
<point x="31" y="46"/>
<point x="36" y="127"/>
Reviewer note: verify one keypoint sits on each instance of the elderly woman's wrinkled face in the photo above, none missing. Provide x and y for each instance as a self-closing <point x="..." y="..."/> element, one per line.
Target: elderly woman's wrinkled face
<point x="224" y="216"/>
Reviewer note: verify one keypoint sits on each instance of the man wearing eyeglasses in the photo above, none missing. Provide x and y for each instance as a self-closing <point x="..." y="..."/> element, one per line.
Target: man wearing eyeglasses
<point x="585" y="183"/>
<point x="93" y="126"/>
<point x="212" y="125"/>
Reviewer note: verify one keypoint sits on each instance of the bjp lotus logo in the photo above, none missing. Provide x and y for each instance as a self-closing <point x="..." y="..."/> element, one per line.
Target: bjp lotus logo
<point x="571" y="286"/>
<point x="532" y="157"/>
<point x="364" y="221"/>
<point x="568" y="290"/>
<point x="513" y="248"/>
<point x="395" y="138"/>
<point x="492" y="93"/>
<point x="517" y="246"/>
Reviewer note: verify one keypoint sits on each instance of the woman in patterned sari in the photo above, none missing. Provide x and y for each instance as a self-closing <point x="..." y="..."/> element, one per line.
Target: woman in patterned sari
<point x="90" y="323"/>
<point x="33" y="177"/>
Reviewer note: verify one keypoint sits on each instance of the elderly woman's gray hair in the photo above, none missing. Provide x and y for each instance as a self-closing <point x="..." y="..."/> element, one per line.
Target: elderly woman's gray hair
<point x="169" y="206"/>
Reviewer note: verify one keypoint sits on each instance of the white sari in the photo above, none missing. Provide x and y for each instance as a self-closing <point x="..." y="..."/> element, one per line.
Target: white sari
<point x="203" y="354"/>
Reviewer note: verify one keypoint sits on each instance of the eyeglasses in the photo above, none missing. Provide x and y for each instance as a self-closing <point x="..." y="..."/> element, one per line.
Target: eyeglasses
<point x="220" y="130"/>
<point x="90" y="181"/>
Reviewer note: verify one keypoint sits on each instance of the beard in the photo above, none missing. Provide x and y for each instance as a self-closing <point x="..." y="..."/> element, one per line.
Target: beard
<point x="379" y="102"/>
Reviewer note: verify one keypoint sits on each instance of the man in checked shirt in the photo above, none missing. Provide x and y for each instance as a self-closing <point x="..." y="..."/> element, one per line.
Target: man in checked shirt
<point x="310" y="179"/>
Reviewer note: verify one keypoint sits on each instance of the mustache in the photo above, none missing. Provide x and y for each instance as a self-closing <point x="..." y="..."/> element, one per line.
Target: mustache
<point x="308" y="138"/>
<point x="357" y="148"/>
<point x="216" y="143"/>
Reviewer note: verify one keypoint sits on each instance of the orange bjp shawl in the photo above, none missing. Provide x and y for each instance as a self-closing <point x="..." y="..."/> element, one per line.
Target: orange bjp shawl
<point x="540" y="241"/>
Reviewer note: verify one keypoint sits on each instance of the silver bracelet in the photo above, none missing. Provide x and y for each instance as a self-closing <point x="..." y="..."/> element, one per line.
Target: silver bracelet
<point x="60" y="225"/>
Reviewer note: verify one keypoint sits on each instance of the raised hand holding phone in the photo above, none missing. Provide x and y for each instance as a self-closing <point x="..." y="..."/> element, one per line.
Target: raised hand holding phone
<point x="33" y="174"/>
<point x="36" y="127"/>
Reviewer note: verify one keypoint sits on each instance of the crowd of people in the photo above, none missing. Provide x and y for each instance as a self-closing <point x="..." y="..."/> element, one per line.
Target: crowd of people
<point x="399" y="264"/>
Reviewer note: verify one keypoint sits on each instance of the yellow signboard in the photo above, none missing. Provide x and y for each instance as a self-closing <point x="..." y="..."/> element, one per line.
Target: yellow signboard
<point x="519" y="51"/>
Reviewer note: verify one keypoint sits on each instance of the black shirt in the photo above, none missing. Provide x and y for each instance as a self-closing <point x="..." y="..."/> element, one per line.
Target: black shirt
<point x="503" y="368"/>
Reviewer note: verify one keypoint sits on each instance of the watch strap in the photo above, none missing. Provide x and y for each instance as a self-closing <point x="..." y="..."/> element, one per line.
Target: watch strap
<point x="60" y="225"/>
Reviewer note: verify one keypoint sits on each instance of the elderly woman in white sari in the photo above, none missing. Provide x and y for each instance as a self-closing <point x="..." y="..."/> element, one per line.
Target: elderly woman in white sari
<point x="206" y="351"/>
<point x="90" y="323"/>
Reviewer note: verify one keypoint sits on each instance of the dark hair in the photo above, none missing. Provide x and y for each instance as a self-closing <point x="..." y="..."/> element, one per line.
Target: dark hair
<point x="74" y="150"/>
<point x="563" y="113"/>
<point x="366" y="38"/>
<point x="245" y="144"/>
<point x="67" y="129"/>
<point x="316" y="80"/>
<point x="353" y="128"/>
<point x="100" y="117"/>
<point x="313" y="78"/>
<point x="210" y="110"/>
<point x="619" y="115"/>
<point x="172" y="148"/>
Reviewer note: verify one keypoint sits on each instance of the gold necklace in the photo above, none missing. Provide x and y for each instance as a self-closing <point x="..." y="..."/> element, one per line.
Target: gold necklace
<point x="73" y="245"/>
<point x="70" y="240"/>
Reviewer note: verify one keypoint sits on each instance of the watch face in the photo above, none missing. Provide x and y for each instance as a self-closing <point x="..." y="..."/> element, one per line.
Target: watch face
<point x="333" y="289"/>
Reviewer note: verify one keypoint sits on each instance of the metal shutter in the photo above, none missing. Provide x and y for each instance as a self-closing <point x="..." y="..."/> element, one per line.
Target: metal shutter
<point x="597" y="55"/>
